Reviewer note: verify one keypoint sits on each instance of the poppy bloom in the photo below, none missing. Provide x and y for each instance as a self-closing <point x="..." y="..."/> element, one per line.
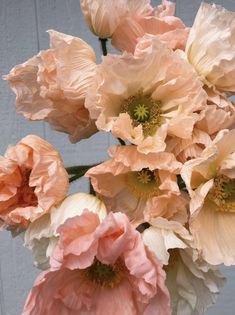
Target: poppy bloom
<point x="41" y="236"/>
<point x="103" y="16"/>
<point x="33" y="179"/>
<point x="162" y="23"/>
<point x="52" y="85"/>
<point x="210" y="182"/>
<point x="100" y="268"/>
<point x="210" y="46"/>
<point x="144" y="97"/>
<point x="142" y="186"/>
<point x="193" y="284"/>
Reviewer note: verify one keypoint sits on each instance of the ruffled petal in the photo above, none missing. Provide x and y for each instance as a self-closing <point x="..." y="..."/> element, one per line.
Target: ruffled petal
<point x="215" y="241"/>
<point x="211" y="44"/>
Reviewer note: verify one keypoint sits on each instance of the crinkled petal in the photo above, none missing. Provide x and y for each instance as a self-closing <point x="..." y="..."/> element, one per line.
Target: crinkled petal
<point x="211" y="44"/>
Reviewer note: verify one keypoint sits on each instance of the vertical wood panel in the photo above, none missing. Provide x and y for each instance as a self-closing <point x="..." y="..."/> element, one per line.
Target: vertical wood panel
<point x="18" y="40"/>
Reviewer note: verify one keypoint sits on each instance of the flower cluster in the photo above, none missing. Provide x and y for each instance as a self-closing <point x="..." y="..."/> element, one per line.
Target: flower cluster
<point x="160" y="216"/>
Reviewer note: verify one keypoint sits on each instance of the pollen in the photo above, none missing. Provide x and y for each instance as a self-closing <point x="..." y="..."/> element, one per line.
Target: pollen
<point x="143" y="184"/>
<point x="223" y="193"/>
<point x="108" y="276"/>
<point x="144" y="111"/>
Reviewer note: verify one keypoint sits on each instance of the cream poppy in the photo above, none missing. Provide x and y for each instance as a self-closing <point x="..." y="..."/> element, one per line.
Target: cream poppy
<point x="210" y="182"/>
<point x="193" y="284"/>
<point x="211" y="46"/>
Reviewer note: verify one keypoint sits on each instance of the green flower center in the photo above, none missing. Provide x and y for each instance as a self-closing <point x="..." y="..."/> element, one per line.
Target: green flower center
<point x="143" y="110"/>
<point x="223" y="193"/>
<point x="105" y="275"/>
<point x="143" y="184"/>
<point x="141" y="113"/>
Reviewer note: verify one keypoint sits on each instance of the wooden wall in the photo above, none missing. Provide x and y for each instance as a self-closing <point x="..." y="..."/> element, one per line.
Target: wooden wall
<point x="22" y="34"/>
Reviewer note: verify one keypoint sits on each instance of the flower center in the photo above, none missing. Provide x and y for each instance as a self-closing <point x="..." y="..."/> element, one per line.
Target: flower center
<point x="223" y="193"/>
<point x="143" y="110"/>
<point x="26" y="193"/>
<point x="144" y="183"/>
<point x="105" y="275"/>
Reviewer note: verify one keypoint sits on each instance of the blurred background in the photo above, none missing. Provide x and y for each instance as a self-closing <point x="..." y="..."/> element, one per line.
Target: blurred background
<point x="23" y="25"/>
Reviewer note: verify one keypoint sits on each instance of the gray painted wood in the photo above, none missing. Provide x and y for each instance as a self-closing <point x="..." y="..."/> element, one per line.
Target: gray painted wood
<point x="22" y="33"/>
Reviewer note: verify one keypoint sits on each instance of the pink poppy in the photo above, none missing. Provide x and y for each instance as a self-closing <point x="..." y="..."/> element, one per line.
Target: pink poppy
<point x="100" y="268"/>
<point x="41" y="236"/>
<point x="142" y="186"/>
<point x="52" y="85"/>
<point x="32" y="180"/>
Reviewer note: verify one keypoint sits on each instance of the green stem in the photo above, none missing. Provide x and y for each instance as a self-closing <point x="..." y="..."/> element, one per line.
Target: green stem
<point x="121" y="141"/>
<point x="143" y="226"/>
<point x="92" y="191"/>
<point x="78" y="171"/>
<point x="103" y="42"/>
<point x="78" y="168"/>
<point x="181" y="183"/>
<point x="73" y="178"/>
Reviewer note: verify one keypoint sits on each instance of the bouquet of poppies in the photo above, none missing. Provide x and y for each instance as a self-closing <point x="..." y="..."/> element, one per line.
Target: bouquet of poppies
<point x="160" y="216"/>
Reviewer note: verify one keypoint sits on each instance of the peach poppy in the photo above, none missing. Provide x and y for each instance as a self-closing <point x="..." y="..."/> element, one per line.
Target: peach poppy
<point x="100" y="268"/>
<point x="104" y="16"/>
<point x="142" y="186"/>
<point x="218" y="114"/>
<point x="52" y="85"/>
<point x="211" y="45"/>
<point x="193" y="284"/>
<point x="162" y="23"/>
<point x="144" y="97"/>
<point x="210" y="182"/>
<point x="187" y="149"/>
<point x="41" y="236"/>
<point x="33" y="179"/>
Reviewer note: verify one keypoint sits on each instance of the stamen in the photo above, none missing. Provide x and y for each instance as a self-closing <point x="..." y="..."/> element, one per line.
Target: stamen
<point x="223" y="193"/>
<point x="105" y="275"/>
<point x="143" y="184"/>
<point x="145" y="176"/>
<point x="143" y="110"/>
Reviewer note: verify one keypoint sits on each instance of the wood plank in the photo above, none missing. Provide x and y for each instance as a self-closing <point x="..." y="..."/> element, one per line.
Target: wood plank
<point x="18" y="43"/>
<point x="18" y="33"/>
